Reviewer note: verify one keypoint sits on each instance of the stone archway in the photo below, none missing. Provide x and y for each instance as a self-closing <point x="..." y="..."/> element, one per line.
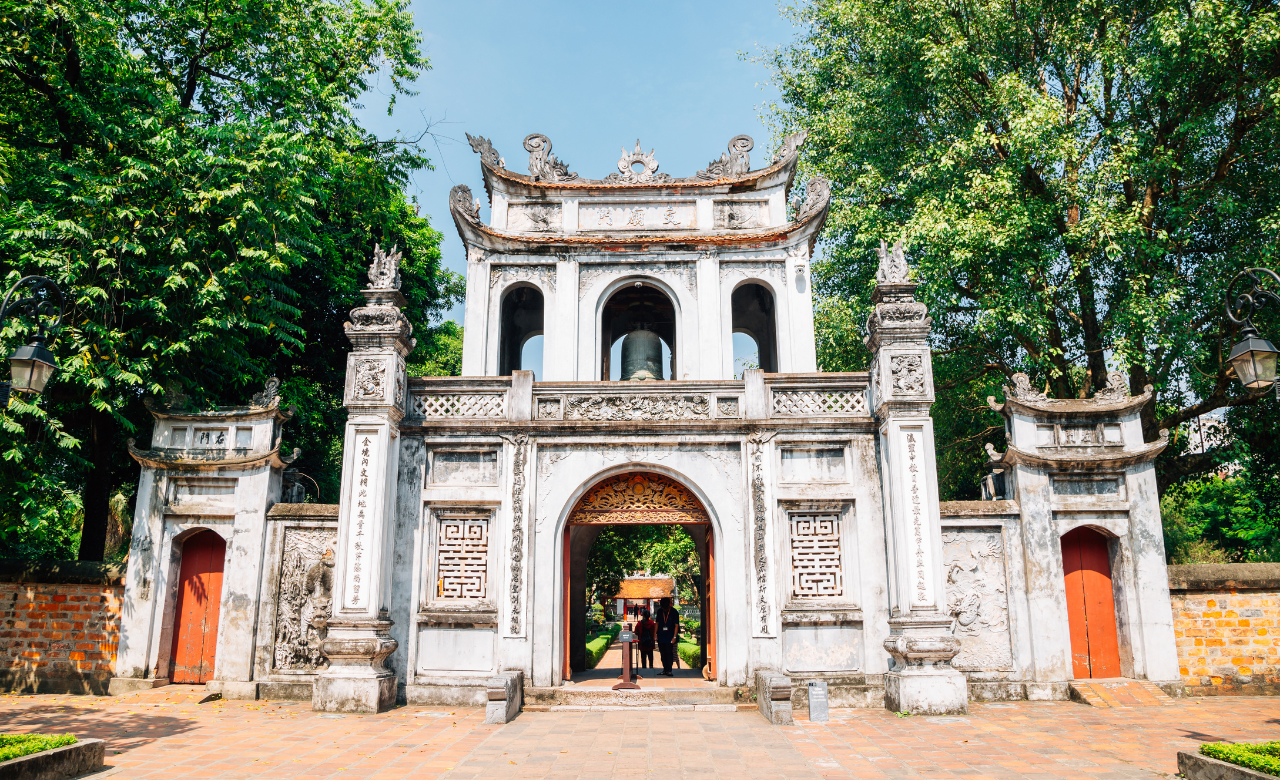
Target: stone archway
<point x="633" y="498"/>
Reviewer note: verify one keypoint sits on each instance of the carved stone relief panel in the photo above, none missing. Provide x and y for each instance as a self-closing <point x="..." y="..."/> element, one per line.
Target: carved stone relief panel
<point x="462" y="558"/>
<point x="535" y="218"/>
<point x="506" y="274"/>
<point x="667" y="215"/>
<point x="771" y="269"/>
<point x="637" y="407"/>
<point x="977" y="597"/>
<point x="907" y="372"/>
<point x="740" y="214"/>
<point x="816" y="567"/>
<point x="304" y="601"/>
<point x="550" y="408"/>
<point x="727" y="406"/>
<point x="686" y="273"/>
<point x="370" y="381"/>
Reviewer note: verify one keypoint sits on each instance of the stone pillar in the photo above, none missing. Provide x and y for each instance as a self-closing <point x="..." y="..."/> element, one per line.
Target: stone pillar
<point x="359" y="639"/>
<point x="922" y="680"/>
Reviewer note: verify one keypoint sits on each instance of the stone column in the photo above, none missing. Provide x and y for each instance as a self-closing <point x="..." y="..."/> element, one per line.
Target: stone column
<point x="359" y="639"/>
<point x="922" y="680"/>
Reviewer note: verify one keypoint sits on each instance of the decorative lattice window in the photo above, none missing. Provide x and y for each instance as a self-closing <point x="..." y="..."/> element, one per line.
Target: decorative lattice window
<point x="466" y="405"/>
<point x="462" y="558"/>
<point x="816" y="570"/>
<point x="819" y="403"/>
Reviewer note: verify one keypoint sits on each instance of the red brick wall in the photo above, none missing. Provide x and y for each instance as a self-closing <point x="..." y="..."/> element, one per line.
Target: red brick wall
<point x="1225" y="626"/>
<point x="58" y="637"/>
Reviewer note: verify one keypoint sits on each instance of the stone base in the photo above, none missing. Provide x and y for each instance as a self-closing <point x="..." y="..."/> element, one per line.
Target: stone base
<point x="1048" y="691"/>
<point x="926" y="691"/>
<point x="435" y="695"/>
<point x="120" y="685"/>
<point x="233" y="689"/>
<point x="1173" y="688"/>
<point x="844" y="691"/>
<point x="84" y="757"/>
<point x="284" y="691"/>
<point x="354" y="694"/>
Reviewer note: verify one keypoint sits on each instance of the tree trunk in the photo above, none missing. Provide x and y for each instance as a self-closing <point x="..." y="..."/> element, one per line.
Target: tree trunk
<point x="97" y="488"/>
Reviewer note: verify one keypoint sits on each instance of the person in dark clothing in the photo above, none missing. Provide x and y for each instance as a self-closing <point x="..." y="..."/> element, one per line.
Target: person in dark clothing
<point x="646" y="631"/>
<point x="668" y="621"/>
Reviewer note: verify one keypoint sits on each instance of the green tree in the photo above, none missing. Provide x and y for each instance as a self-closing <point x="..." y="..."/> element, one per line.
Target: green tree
<point x="1076" y="183"/>
<point x="620" y="550"/>
<point x="193" y="177"/>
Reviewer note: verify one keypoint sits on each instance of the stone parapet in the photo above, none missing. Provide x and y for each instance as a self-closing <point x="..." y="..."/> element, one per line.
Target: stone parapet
<point x="1225" y="626"/>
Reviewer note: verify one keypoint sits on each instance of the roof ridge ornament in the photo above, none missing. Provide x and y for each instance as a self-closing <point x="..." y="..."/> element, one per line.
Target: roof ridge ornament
<point x="734" y="162"/>
<point x="893" y="264"/>
<point x="790" y="145"/>
<point x="628" y="175"/>
<point x="1117" y="388"/>
<point x="384" y="271"/>
<point x="270" y="393"/>
<point x="543" y="165"/>
<point x="483" y="147"/>
<point x="1022" y="389"/>
<point x="817" y="193"/>
<point x="461" y="201"/>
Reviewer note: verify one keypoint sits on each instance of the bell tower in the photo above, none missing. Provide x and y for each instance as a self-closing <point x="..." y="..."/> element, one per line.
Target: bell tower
<point x="638" y="274"/>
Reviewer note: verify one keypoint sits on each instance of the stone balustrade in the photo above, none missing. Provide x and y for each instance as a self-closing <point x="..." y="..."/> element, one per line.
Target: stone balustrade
<point x="757" y="398"/>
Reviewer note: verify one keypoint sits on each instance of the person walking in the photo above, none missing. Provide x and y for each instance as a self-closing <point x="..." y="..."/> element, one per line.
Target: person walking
<point x="646" y="631"/>
<point x="668" y="622"/>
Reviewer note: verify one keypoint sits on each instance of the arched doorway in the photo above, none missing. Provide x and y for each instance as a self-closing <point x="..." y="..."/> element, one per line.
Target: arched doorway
<point x="522" y="320"/>
<point x="636" y="306"/>
<point x="634" y="498"/>
<point x="195" y="631"/>
<point x="754" y="316"/>
<point x="1091" y="606"/>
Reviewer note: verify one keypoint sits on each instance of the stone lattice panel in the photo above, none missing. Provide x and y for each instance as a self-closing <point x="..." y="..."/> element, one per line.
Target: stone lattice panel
<point x="465" y="405"/>
<point x="462" y="562"/>
<point x="816" y="570"/>
<point x="819" y="403"/>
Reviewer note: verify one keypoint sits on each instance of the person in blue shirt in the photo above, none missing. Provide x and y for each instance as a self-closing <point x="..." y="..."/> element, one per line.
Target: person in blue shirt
<point x="668" y="620"/>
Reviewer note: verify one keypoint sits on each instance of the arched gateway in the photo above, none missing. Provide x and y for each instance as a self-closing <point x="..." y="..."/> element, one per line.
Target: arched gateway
<point x="469" y="504"/>
<point x="633" y="498"/>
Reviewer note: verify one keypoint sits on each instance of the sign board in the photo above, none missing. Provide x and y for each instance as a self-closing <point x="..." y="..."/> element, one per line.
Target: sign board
<point x="819" y="712"/>
<point x="627" y="636"/>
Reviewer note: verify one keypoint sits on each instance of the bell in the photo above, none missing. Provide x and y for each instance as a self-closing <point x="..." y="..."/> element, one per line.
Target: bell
<point x="641" y="356"/>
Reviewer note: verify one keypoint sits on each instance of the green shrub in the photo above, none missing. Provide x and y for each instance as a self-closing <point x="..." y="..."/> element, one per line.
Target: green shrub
<point x="599" y="644"/>
<point x="18" y="745"/>
<point x="691" y="655"/>
<point x="1263" y="758"/>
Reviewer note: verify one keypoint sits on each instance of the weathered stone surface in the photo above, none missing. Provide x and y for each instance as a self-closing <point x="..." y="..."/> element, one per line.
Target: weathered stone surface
<point x="85" y="756"/>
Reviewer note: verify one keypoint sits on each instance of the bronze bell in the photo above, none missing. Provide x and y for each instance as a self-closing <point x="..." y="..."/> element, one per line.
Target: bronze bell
<point x="641" y="356"/>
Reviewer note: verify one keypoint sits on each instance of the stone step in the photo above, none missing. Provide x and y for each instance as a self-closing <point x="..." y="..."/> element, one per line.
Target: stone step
<point x="562" y="697"/>
<point x="1120" y="693"/>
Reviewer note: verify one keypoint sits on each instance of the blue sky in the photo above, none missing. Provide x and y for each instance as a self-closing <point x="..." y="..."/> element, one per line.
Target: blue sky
<point x="593" y="77"/>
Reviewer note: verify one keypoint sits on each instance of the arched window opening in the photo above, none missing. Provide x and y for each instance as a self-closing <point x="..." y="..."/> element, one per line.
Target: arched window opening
<point x="531" y="356"/>
<point x="638" y="310"/>
<point x="521" y="320"/>
<point x="753" y="315"/>
<point x="746" y="354"/>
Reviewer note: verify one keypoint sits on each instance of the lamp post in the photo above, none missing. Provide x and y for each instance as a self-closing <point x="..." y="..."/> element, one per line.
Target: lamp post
<point x="32" y="365"/>
<point x="1253" y="358"/>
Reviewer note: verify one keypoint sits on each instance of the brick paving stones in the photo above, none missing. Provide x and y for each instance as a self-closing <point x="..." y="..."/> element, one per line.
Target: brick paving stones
<point x="166" y="733"/>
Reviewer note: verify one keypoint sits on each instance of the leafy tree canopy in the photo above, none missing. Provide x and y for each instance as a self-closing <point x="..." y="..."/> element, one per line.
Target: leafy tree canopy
<point x="1077" y="183"/>
<point x="193" y="178"/>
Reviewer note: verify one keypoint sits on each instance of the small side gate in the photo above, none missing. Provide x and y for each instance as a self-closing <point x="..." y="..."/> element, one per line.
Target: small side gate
<point x="1091" y="606"/>
<point x="195" y="632"/>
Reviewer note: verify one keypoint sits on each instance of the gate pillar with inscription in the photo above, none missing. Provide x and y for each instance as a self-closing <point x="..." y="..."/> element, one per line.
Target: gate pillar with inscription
<point x="359" y="640"/>
<point x="922" y="680"/>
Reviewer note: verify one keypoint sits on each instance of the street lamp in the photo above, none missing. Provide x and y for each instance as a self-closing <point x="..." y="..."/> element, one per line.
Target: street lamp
<point x="1254" y="358"/>
<point x="32" y="365"/>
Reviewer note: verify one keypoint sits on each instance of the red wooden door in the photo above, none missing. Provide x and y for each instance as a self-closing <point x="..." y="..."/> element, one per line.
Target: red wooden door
<point x="1091" y="606"/>
<point x="195" y="633"/>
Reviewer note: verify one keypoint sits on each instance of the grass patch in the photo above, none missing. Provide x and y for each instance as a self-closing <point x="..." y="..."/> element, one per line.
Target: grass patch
<point x="19" y="745"/>
<point x="1263" y="758"/>
<point x="597" y="645"/>
<point x="690" y="655"/>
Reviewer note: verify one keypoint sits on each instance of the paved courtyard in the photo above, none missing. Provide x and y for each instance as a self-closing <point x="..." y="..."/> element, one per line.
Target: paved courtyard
<point x="167" y="733"/>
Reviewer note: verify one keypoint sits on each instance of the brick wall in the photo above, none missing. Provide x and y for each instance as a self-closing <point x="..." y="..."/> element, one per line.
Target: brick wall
<point x="1225" y="620"/>
<point x="59" y="625"/>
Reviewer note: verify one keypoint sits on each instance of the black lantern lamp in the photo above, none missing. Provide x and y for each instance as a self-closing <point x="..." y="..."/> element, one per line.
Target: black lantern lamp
<point x="32" y="365"/>
<point x="1254" y="358"/>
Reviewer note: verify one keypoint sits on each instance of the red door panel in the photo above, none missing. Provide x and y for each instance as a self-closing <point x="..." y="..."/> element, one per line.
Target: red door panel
<point x="1091" y="613"/>
<point x="195" y="634"/>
